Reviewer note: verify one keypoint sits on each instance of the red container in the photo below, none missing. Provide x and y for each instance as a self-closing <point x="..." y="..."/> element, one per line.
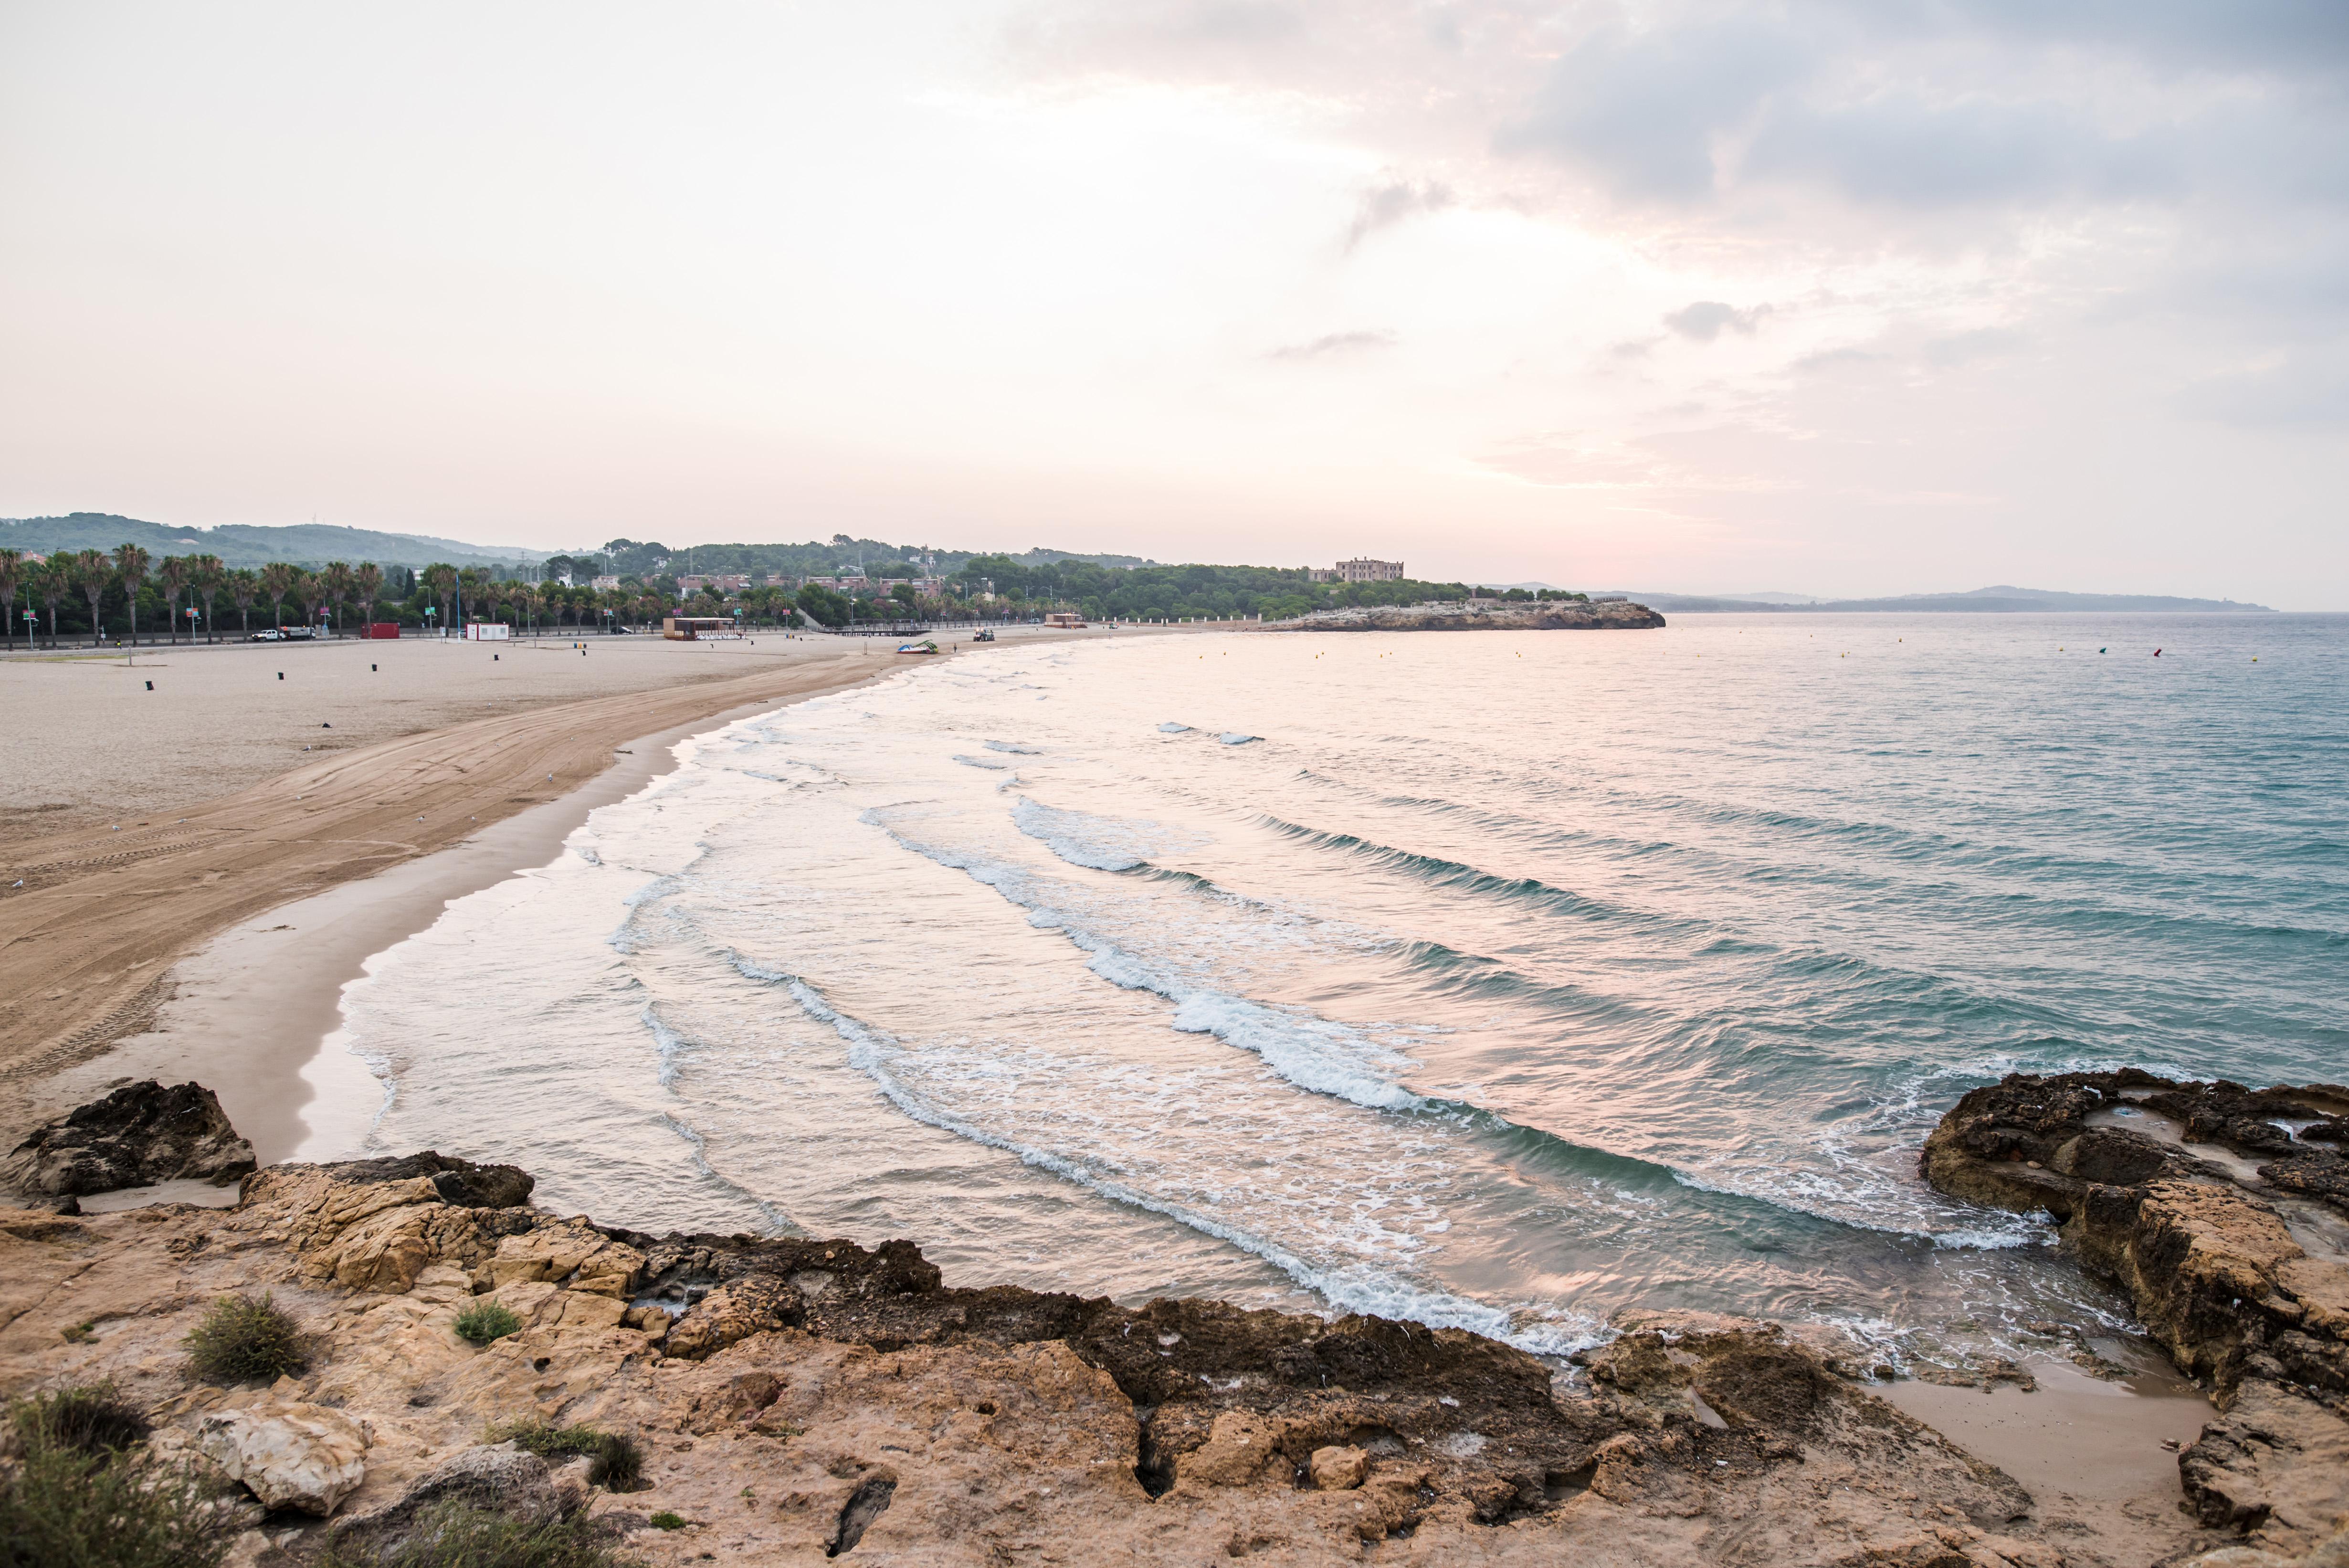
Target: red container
<point x="382" y="629"/>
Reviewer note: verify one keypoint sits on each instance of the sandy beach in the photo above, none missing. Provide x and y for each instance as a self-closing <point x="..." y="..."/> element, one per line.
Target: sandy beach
<point x="252" y="776"/>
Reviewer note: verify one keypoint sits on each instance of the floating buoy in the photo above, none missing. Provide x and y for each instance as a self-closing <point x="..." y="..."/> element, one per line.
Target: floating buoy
<point x="2156" y="653"/>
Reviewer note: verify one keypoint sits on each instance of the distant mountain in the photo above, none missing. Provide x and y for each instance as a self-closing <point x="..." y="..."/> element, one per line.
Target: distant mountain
<point x="249" y="544"/>
<point x="2003" y="599"/>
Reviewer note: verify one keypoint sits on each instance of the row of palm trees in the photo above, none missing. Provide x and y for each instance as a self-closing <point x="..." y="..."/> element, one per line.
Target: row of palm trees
<point x="91" y="573"/>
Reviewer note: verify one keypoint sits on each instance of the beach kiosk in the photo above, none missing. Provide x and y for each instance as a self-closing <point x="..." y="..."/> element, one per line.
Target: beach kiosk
<point x="693" y="628"/>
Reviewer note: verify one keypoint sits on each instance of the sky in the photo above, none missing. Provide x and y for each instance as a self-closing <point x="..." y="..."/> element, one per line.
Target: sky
<point x="1830" y="296"/>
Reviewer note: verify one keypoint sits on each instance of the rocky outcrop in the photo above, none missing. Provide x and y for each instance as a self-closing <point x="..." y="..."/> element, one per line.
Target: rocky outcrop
<point x="1553" y="615"/>
<point x="498" y="1478"/>
<point x="461" y="1182"/>
<point x="2207" y="1252"/>
<point x="296" y="1456"/>
<point x="842" y="1398"/>
<point x="140" y="1134"/>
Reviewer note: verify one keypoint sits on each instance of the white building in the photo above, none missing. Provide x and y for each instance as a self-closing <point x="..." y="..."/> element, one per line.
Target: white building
<point x="1362" y="569"/>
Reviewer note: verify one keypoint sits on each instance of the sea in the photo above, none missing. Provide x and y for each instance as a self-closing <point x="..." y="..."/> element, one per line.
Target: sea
<point x="1497" y="980"/>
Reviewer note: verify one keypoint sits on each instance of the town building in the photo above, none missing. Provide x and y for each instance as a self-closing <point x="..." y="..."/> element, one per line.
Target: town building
<point x="606" y="584"/>
<point x="1361" y="568"/>
<point x="723" y="583"/>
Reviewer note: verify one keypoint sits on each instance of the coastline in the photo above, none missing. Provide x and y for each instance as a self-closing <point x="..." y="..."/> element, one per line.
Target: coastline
<point x="154" y="950"/>
<point x="276" y="993"/>
<point x="276" y="988"/>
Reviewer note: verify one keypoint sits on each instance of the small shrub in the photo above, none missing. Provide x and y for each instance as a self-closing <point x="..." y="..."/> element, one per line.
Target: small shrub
<point x="93" y="1421"/>
<point x="618" y="1464"/>
<point x="62" y="1508"/>
<point x="486" y="1320"/>
<point x="80" y="1333"/>
<point x="665" y="1519"/>
<point x="246" y="1337"/>
<point x="455" y="1535"/>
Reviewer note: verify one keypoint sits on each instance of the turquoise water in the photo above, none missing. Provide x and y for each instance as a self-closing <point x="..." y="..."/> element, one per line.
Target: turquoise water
<point x="1497" y="979"/>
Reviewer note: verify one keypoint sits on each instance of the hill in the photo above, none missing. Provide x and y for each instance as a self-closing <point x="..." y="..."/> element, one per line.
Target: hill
<point x="247" y="544"/>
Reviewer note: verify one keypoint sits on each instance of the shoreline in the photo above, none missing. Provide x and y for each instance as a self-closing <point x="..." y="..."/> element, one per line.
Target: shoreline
<point x="278" y="987"/>
<point x="112" y="924"/>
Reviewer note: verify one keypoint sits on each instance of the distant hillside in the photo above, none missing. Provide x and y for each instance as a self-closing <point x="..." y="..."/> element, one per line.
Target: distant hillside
<point x="2002" y="600"/>
<point x="246" y="544"/>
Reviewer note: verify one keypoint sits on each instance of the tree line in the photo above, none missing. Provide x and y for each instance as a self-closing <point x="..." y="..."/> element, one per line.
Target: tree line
<point x="92" y="592"/>
<point x="126" y="592"/>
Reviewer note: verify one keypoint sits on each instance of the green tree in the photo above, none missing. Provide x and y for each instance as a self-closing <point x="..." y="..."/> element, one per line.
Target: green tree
<point x="11" y="576"/>
<point x="279" y="578"/>
<point x="50" y="583"/>
<point x="825" y="607"/>
<point x="310" y="592"/>
<point x="370" y="589"/>
<point x="441" y="577"/>
<point x="93" y="573"/>
<point x="207" y="576"/>
<point x="243" y="588"/>
<point x="338" y="584"/>
<point x="131" y="561"/>
<point x="171" y="577"/>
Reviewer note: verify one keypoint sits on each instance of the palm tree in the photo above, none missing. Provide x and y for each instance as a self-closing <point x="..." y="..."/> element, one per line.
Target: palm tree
<point x="243" y="587"/>
<point x="442" y="578"/>
<point x="278" y="581"/>
<point x="51" y="582"/>
<point x="12" y="573"/>
<point x="336" y="583"/>
<point x="131" y="561"/>
<point x="470" y="583"/>
<point x="174" y="577"/>
<point x="207" y="575"/>
<point x="310" y="592"/>
<point x="92" y="574"/>
<point x="370" y="585"/>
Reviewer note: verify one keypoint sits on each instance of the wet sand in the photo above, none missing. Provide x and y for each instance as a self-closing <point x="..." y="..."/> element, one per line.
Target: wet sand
<point x="415" y="748"/>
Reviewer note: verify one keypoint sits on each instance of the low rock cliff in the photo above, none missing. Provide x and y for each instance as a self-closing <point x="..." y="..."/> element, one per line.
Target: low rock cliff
<point x="800" y="1399"/>
<point x="2219" y="1209"/>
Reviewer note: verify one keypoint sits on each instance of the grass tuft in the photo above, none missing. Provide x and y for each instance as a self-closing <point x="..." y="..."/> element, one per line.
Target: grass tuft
<point x="485" y="1320"/>
<point x="245" y="1336"/>
<point x="62" y="1507"/>
<point x="80" y="1333"/>
<point x="92" y="1421"/>
<point x="618" y="1464"/>
<point x="456" y="1535"/>
<point x="665" y="1519"/>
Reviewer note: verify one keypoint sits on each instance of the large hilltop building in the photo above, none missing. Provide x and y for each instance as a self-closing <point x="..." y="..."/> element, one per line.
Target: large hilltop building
<point x="1361" y="568"/>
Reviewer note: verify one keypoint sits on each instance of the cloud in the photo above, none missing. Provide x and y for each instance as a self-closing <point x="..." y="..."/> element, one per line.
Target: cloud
<point x="1383" y="206"/>
<point x="1335" y="343"/>
<point x="2305" y="391"/>
<point x="1707" y="318"/>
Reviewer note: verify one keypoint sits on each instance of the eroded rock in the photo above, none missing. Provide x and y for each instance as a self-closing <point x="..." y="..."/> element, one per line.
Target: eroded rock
<point x="494" y="1477"/>
<point x="2212" y="1267"/>
<point x="297" y="1456"/>
<point x="140" y="1134"/>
